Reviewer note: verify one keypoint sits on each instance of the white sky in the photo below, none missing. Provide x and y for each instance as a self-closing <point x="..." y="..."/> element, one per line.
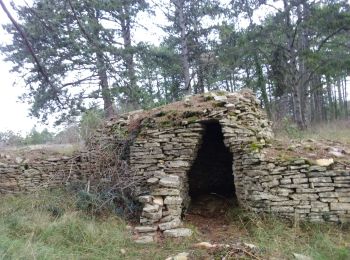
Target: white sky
<point x="14" y="114"/>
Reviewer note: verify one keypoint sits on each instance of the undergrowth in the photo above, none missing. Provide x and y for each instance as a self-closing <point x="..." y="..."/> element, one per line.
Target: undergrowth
<point x="334" y="131"/>
<point x="51" y="225"/>
<point x="279" y="238"/>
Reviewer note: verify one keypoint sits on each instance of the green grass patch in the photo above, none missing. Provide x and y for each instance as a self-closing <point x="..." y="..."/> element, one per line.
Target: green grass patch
<point x="281" y="238"/>
<point x="48" y="225"/>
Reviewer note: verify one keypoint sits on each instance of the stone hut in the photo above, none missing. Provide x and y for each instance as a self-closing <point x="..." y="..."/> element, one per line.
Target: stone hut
<point x="203" y="144"/>
<point x="223" y="143"/>
<point x="217" y="142"/>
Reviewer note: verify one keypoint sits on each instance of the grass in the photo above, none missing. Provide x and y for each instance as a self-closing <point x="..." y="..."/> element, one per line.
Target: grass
<point x="338" y="131"/>
<point x="48" y="225"/>
<point x="279" y="239"/>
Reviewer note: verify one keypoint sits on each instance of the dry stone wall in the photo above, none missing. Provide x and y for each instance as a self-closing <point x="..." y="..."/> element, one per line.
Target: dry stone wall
<point x="161" y="146"/>
<point x="18" y="175"/>
<point x="296" y="188"/>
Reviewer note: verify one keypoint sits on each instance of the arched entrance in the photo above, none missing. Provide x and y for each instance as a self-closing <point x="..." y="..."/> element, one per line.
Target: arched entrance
<point x="211" y="178"/>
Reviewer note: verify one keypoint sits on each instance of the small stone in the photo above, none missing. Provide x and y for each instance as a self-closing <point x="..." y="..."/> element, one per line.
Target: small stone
<point x="336" y="153"/>
<point x="230" y="105"/>
<point x="250" y="246"/>
<point x="123" y="251"/>
<point x="324" y="162"/>
<point x="204" y="245"/>
<point x="144" y="240"/>
<point x="158" y="201"/>
<point x="301" y="257"/>
<point x="18" y="160"/>
<point x="128" y="227"/>
<point x="178" y="232"/>
<point x="181" y="256"/>
<point x="152" y="180"/>
<point x="145" y="199"/>
<point x="220" y="98"/>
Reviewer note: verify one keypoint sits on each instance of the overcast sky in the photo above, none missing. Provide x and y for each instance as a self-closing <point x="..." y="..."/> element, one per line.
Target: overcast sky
<point x="13" y="115"/>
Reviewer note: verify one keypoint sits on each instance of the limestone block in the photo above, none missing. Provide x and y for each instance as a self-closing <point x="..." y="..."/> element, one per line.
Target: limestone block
<point x="146" y="229"/>
<point x="154" y="216"/>
<point x="304" y="196"/>
<point x="150" y="208"/>
<point x="340" y="206"/>
<point x="286" y="181"/>
<point x="168" y="218"/>
<point x="170" y="225"/>
<point x="282" y="209"/>
<point x="171" y="181"/>
<point x="344" y="199"/>
<point x="317" y="206"/>
<point x="144" y="240"/>
<point x="177" y="164"/>
<point x="158" y="201"/>
<point x="152" y="180"/>
<point x="166" y="192"/>
<point x="320" y="179"/>
<point x="300" y="180"/>
<point x="178" y="232"/>
<point x="173" y="200"/>
<point x="316" y="168"/>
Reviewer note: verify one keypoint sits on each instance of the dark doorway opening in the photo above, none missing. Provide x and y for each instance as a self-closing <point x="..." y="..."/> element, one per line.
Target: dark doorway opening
<point x="211" y="184"/>
<point x="211" y="172"/>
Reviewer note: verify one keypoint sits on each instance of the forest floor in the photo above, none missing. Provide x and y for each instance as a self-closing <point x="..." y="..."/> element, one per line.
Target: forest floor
<point x="50" y="225"/>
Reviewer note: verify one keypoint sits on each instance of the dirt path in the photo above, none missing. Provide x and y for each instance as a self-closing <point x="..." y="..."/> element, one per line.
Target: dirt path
<point x="210" y="214"/>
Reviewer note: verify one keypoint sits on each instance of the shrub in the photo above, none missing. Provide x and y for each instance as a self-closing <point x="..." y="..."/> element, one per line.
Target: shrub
<point x="89" y="123"/>
<point x="36" y="137"/>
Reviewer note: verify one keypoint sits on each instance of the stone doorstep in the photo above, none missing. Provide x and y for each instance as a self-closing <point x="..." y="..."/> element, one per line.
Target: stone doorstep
<point x="144" y="239"/>
<point x="178" y="232"/>
<point x="146" y="229"/>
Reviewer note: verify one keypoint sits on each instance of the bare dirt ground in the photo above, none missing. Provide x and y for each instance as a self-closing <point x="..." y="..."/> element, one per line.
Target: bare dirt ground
<point x="210" y="215"/>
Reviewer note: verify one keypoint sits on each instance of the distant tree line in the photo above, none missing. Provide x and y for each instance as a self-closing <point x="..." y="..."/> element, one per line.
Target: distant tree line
<point x="73" y="54"/>
<point x="76" y="133"/>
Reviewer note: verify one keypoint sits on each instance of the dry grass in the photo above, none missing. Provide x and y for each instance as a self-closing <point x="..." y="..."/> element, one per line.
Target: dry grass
<point x="336" y="131"/>
<point x="48" y="225"/>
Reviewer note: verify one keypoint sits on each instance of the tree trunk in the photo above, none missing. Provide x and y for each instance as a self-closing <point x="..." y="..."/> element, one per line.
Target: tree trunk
<point x="108" y="104"/>
<point x="179" y="6"/>
<point x="129" y="58"/>
<point x="261" y="84"/>
<point x="297" y="107"/>
<point x="340" y="99"/>
<point x="330" y="99"/>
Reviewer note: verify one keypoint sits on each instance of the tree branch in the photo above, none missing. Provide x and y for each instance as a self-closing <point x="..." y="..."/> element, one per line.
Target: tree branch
<point x="41" y="69"/>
